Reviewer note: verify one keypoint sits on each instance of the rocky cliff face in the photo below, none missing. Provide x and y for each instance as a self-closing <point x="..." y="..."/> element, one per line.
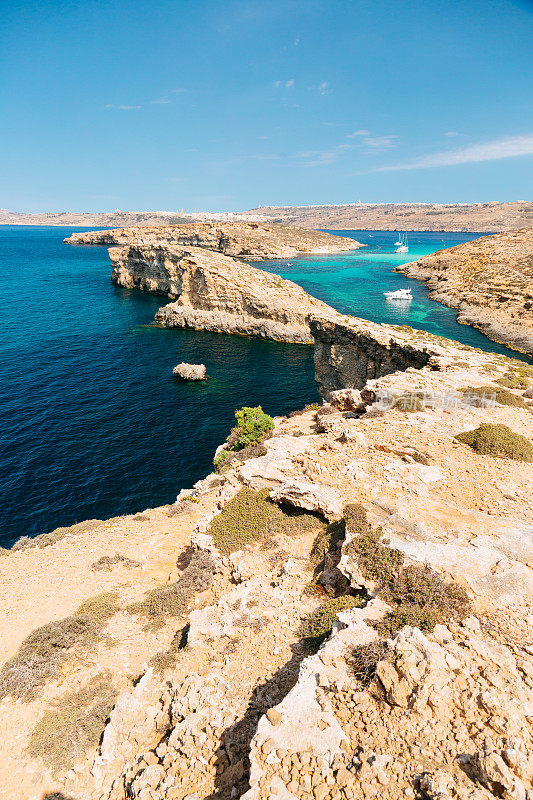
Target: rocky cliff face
<point x="240" y="239"/>
<point x="489" y="281"/>
<point x="217" y="293"/>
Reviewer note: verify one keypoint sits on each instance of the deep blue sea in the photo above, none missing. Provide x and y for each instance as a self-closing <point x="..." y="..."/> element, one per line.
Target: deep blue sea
<point x="93" y="424"/>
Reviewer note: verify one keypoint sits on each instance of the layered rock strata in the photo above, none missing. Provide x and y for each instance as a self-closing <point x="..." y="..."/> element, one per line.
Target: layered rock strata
<point x="239" y="239"/>
<point x="217" y="293"/>
<point x="489" y="281"/>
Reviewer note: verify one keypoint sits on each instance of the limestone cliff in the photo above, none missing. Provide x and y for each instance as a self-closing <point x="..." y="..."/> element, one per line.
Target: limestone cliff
<point x="489" y="281"/>
<point x="249" y="240"/>
<point x="217" y="293"/>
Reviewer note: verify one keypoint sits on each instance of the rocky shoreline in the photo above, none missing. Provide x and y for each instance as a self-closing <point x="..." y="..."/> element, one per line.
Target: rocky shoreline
<point x="489" y="281"/>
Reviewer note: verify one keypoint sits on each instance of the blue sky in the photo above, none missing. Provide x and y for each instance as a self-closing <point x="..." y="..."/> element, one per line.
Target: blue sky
<point x="211" y="105"/>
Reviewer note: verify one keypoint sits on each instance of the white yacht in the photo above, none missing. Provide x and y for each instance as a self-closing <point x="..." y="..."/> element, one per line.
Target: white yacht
<point x="399" y="294"/>
<point x="403" y="246"/>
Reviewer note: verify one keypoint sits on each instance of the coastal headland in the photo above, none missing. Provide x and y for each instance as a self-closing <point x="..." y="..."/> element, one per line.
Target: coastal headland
<point x="340" y="610"/>
<point x="489" y="281"/>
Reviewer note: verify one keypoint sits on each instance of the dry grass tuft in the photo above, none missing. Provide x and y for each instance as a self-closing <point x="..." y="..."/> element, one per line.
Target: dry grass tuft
<point x="365" y="658"/>
<point x="108" y="562"/>
<point x="42" y="654"/>
<point x="74" y="724"/>
<point x="173" y="600"/>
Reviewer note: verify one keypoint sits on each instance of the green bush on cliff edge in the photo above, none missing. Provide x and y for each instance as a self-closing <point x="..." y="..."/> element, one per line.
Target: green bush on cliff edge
<point x="253" y="427"/>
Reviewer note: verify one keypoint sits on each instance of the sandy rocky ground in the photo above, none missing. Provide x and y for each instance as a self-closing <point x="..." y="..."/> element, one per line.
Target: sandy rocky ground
<point x="247" y="709"/>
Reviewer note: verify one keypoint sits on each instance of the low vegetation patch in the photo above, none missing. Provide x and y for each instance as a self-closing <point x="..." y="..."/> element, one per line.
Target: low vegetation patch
<point x="409" y="402"/>
<point x="318" y="625"/>
<point x="108" y="562"/>
<point x="365" y="658"/>
<point x="227" y="459"/>
<point x="326" y="541"/>
<point x="493" y="394"/>
<point x="422" y="598"/>
<point x="307" y="407"/>
<point x="46" y="539"/>
<point x="513" y="380"/>
<point x="43" y="653"/>
<point x="498" y="441"/>
<point x="251" y="516"/>
<point x="74" y="724"/>
<point x="173" y="599"/>
<point x="375" y="559"/>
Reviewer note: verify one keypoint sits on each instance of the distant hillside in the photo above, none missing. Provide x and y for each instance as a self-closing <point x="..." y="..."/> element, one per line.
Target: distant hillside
<point x="482" y="217"/>
<point x="478" y="217"/>
<point x="114" y="219"/>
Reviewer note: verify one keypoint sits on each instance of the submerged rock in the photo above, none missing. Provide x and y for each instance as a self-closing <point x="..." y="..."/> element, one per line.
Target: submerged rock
<point x="189" y="372"/>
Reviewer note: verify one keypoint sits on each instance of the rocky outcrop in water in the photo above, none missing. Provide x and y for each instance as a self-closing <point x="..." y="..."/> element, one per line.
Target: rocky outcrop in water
<point x="248" y="240"/>
<point x="189" y="372"/>
<point x="489" y="281"/>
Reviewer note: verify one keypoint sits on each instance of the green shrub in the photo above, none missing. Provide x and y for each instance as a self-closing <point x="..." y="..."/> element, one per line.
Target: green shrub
<point x="99" y="608"/>
<point x="498" y="441"/>
<point x="376" y="561"/>
<point x="318" y="625"/>
<point x="74" y="724"/>
<point x="412" y="615"/>
<point x="42" y="654"/>
<point x="501" y="396"/>
<point x="253" y="426"/>
<point x="251" y="516"/>
<point x="355" y="518"/>
<point x="220" y="460"/>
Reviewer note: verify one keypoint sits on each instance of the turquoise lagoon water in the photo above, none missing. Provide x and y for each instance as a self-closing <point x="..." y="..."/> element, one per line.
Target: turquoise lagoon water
<point x="93" y="424"/>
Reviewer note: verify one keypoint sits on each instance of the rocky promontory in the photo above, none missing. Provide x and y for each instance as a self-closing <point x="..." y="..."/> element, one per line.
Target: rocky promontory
<point x="490" y="282"/>
<point x="250" y="240"/>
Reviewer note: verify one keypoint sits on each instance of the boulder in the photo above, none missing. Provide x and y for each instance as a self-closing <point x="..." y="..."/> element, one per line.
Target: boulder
<point x="189" y="372"/>
<point x="347" y="400"/>
<point x="311" y="496"/>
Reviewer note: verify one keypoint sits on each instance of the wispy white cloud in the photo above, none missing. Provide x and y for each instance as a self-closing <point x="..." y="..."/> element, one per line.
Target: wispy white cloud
<point x="163" y="101"/>
<point x="452" y="133"/>
<point x="297" y="41"/>
<point x="380" y="143"/>
<point x="323" y="87"/>
<point x="355" y="134"/>
<point x="284" y="84"/>
<point x="510" y="147"/>
<point x="178" y="91"/>
<point x="123" y="108"/>
<point x="318" y="158"/>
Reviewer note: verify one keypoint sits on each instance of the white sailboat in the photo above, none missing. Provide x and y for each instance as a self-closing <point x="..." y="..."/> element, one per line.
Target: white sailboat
<point x="403" y="246"/>
<point x="399" y="242"/>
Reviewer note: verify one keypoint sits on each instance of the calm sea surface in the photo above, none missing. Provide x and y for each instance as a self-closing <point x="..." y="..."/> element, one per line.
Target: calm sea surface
<point x="93" y="424"/>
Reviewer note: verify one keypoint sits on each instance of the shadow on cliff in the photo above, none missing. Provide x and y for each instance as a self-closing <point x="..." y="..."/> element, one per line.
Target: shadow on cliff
<point x="233" y="754"/>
